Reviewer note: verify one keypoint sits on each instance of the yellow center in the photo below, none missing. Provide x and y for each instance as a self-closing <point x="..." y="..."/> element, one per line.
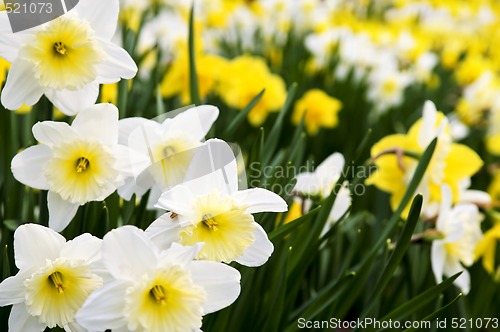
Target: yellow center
<point x="166" y="301"/>
<point x="64" y="54"/>
<point x="57" y="281"/>
<point x="56" y="291"/>
<point x="389" y="87"/>
<point x="82" y="164"/>
<point x="81" y="171"/>
<point x="223" y="226"/>
<point x="60" y="48"/>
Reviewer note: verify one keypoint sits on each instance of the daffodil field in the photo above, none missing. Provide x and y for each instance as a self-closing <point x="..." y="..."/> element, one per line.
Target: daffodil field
<point x="250" y="165"/>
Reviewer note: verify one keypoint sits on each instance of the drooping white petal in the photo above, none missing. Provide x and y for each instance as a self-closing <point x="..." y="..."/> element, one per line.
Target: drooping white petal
<point x="446" y="201"/>
<point x="71" y="102"/>
<point x="21" y="321"/>
<point x="21" y="86"/>
<point x="85" y="247"/>
<point x="28" y="166"/>
<point x="428" y="128"/>
<point x="130" y="162"/>
<point x="260" y="251"/>
<point x="118" y="64"/>
<point x="137" y="186"/>
<point x="99" y="121"/>
<point x="60" y="211"/>
<point x="12" y="289"/>
<point x="52" y="132"/>
<point x="260" y="200"/>
<point x="163" y="231"/>
<point x="128" y="253"/>
<point x="197" y="120"/>
<point x="475" y="197"/>
<point x="221" y="283"/>
<point x="30" y="253"/>
<point x="127" y="126"/>
<point x="331" y="168"/>
<point x="453" y="266"/>
<point x="438" y="257"/>
<point x="341" y="205"/>
<point x="308" y="184"/>
<point x="102" y="16"/>
<point x="103" y="309"/>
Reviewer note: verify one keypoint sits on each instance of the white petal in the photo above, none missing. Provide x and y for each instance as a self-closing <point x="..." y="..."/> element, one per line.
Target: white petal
<point x="463" y="281"/>
<point x="34" y="244"/>
<point x="163" y="231"/>
<point x="118" y="64"/>
<point x="475" y="197"/>
<point x="197" y="121"/>
<point x="438" y="257"/>
<point x="21" y="321"/>
<point x="103" y="309"/>
<point x="341" y="205"/>
<point x="331" y="168"/>
<point x="179" y="255"/>
<point x="99" y="121"/>
<point x="28" y="166"/>
<point x="71" y="102"/>
<point x="127" y="126"/>
<point x="53" y="133"/>
<point x="12" y="289"/>
<point x="178" y="199"/>
<point x="220" y="281"/>
<point x="61" y="212"/>
<point x="213" y="167"/>
<point x="444" y="210"/>
<point x="428" y="128"/>
<point x="260" y="251"/>
<point x="128" y="253"/>
<point x="9" y="42"/>
<point x="129" y="161"/>
<point x="260" y="200"/>
<point x="133" y="185"/>
<point x="21" y="86"/>
<point x="308" y="184"/>
<point x="102" y="16"/>
<point x="85" y="247"/>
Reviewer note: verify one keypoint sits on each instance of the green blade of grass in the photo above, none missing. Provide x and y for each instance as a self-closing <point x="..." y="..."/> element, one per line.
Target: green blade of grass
<point x="193" y="74"/>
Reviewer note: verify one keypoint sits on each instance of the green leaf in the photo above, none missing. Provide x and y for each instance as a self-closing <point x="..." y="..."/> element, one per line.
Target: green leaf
<point x="397" y="255"/>
<point x="6" y="264"/>
<point x="436" y="313"/>
<point x="11" y="224"/>
<point x="420" y="300"/>
<point x="287" y="228"/>
<point x="240" y="118"/>
<point x="193" y="76"/>
<point x="274" y="134"/>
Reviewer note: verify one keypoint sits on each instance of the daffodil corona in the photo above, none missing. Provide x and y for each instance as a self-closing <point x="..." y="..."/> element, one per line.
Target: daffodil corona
<point x="66" y="59"/>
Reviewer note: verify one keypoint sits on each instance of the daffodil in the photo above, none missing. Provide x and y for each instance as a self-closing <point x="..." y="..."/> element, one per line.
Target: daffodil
<point x="451" y="164"/>
<point x="320" y="111"/>
<point x="169" y="145"/>
<point x="55" y="278"/>
<point x="486" y="248"/>
<point x="209" y="208"/>
<point x="321" y="183"/>
<point x="386" y="87"/>
<point x="154" y="290"/>
<point x="66" y="59"/>
<point x="76" y="164"/>
<point x="460" y="229"/>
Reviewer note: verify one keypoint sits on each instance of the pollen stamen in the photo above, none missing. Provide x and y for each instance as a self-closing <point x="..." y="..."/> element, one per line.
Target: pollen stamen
<point x="82" y="164"/>
<point x="56" y="279"/>
<point x="60" y="48"/>
<point x="158" y="293"/>
<point x="210" y="222"/>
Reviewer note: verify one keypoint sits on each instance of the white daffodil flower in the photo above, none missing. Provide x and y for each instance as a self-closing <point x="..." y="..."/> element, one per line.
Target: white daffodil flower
<point x="322" y="182"/>
<point x="66" y="59"/>
<point x="76" y="164"/>
<point x="209" y="208"/>
<point x="169" y="145"/>
<point x="461" y="231"/>
<point x="153" y="290"/>
<point x="55" y="278"/>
